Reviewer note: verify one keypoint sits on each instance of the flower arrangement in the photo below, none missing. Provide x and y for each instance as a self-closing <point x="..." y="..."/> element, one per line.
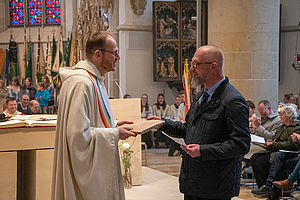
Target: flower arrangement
<point x="126" y="157"/>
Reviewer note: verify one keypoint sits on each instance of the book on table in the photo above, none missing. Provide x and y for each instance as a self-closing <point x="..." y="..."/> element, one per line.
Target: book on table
<point x="29" y="121"/>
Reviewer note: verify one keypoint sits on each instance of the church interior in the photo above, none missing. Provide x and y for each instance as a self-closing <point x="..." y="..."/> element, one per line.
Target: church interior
<point x="156" y="42"/>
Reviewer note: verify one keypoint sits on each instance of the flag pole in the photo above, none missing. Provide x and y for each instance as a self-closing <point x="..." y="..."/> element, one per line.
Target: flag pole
<point x="186" y="86"/>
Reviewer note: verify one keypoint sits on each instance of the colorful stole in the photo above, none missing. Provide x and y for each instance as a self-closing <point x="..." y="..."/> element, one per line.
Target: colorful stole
<point x="106" y="119"/>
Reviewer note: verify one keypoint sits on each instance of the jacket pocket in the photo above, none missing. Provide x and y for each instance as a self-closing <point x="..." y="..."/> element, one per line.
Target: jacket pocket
<point x="209" y="121"/>
<point x="210" y="116"/>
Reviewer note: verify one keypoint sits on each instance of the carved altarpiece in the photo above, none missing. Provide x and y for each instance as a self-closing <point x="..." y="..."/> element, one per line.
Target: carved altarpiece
<point x="92" y="17"/>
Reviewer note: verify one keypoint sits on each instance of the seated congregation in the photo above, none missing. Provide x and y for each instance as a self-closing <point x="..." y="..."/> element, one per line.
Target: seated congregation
<point x="25" y="99"/>
<point x="275" y="164"/>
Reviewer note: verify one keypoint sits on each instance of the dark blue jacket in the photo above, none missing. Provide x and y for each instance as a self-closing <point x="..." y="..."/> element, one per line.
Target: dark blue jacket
<point x="221" y="127"/>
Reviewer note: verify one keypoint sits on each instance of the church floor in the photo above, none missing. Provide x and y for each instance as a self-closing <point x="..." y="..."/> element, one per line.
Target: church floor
<point x="166" y="183"/>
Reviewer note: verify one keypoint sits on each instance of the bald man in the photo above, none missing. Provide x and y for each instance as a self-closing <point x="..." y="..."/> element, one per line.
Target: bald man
<point x="34" y="108"/>
<point x="216" y="132"/>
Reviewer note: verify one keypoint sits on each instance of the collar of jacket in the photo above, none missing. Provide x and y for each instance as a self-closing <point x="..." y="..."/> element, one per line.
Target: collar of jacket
<point x="271" y="116"/>
<point x="296" y="123"/>
<point x="90" y="67"/>
<point x="215" y="99"/>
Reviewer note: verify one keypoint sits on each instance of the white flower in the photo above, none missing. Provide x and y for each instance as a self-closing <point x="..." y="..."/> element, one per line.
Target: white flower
<point x="126" y="145"/>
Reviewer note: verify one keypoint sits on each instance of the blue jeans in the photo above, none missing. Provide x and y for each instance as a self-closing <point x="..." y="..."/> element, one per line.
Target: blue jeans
<point x="295" y="175"/>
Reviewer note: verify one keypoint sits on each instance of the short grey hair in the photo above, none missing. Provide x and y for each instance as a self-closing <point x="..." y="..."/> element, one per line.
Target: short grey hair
<point x="265" y="102"/>
<point x="289" y="110"/>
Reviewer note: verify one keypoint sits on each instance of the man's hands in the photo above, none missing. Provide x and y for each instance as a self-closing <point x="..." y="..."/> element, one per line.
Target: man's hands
<point x="269" y="142"/>
<point x="124" y="132"/>
<point x="256" y="121"/>
<point x="295" y="137"/>
<point x="155" y="118"/>
<point x="120" y="123"/>
<point x="192" y="149"/>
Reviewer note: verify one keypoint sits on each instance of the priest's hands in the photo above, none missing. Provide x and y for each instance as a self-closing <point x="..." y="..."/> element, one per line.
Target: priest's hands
<point x="156" y="118"/>
<point x="124" y="132"/>
<point x="192" y="149"/>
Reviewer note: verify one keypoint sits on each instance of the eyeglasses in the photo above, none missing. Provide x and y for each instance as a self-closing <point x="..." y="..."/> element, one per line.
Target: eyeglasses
<point x="199" y="63"/>
<point x="114" y="53"/>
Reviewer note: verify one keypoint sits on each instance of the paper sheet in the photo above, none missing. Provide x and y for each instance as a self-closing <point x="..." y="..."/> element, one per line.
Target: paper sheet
<point x="287" y="151"/>
<point x="177" y="140"/>
<point x="257" y="139"/>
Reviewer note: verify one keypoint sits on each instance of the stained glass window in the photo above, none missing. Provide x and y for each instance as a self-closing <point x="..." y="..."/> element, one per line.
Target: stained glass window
<point x="53" y="11"/>
<point x="35" y="12"/>
<point x="16" y="11"/>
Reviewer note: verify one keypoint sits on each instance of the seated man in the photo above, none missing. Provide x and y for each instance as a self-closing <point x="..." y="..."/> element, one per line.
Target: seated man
<point x="23" y="104"/>
<point x="269" y="122"/>
<point x="267" y="164"/>
<point x="264" y="127"/>
<point x="34" y="108"/>
<point x="11" y="110"/>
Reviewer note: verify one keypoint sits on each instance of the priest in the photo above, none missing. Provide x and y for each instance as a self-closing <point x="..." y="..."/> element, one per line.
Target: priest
<point x="86" y="158"/>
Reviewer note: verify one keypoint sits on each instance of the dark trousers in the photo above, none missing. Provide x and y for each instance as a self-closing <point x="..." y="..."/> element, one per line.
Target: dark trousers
<point x="159" y="137"/>
<point x="173" y="146"/>
<point x="264" y="172"/>
<point x="260" y="165"/>
<point x="188" y="197"/>
<point x="277" y="164"/>
<point x="148" y="139"/>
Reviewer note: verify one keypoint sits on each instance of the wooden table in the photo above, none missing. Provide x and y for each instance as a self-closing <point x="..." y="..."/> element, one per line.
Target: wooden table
<point x="26" y="159"/>
<point x="26" y="156"/>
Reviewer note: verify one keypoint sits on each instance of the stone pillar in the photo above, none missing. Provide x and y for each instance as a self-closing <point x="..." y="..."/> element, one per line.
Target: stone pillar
<point x="4" y="21"/>
<point x="248" y="33"/>
<point x="113" y="77"/>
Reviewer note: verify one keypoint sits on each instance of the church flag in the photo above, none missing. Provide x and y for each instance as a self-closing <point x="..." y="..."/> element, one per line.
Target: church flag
<point x="2" y="59"/>
<point x="67" y="52"/>
<point x="48" y="58"/>
<point x="13" y="58"/>
<point x="40" y="64"/>
<point x="54" y="49"/>
<point x="24" y="59"/>
<point x="73" y="51"/>
<point x="187" y="87"/>
<point x="7" y="67"/>
<point x="29" y="59"/>
<point x="58" y="60"/>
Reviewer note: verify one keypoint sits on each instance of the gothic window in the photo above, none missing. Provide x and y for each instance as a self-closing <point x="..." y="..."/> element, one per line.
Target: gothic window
<point x="34" y="12"/>
<point x="16" y="11"/>
<point x="52" y="11"/>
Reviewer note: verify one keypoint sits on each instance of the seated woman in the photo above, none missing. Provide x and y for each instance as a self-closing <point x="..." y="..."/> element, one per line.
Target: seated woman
<point x="251" y="114"/>
<point x="146" y="111"/>
<point x="161" y="109"/>
<point x="14" y="88"/>
<point x="30" y="88"/>
<point x="267" y="164"/>
<point x="247" y="170"/>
